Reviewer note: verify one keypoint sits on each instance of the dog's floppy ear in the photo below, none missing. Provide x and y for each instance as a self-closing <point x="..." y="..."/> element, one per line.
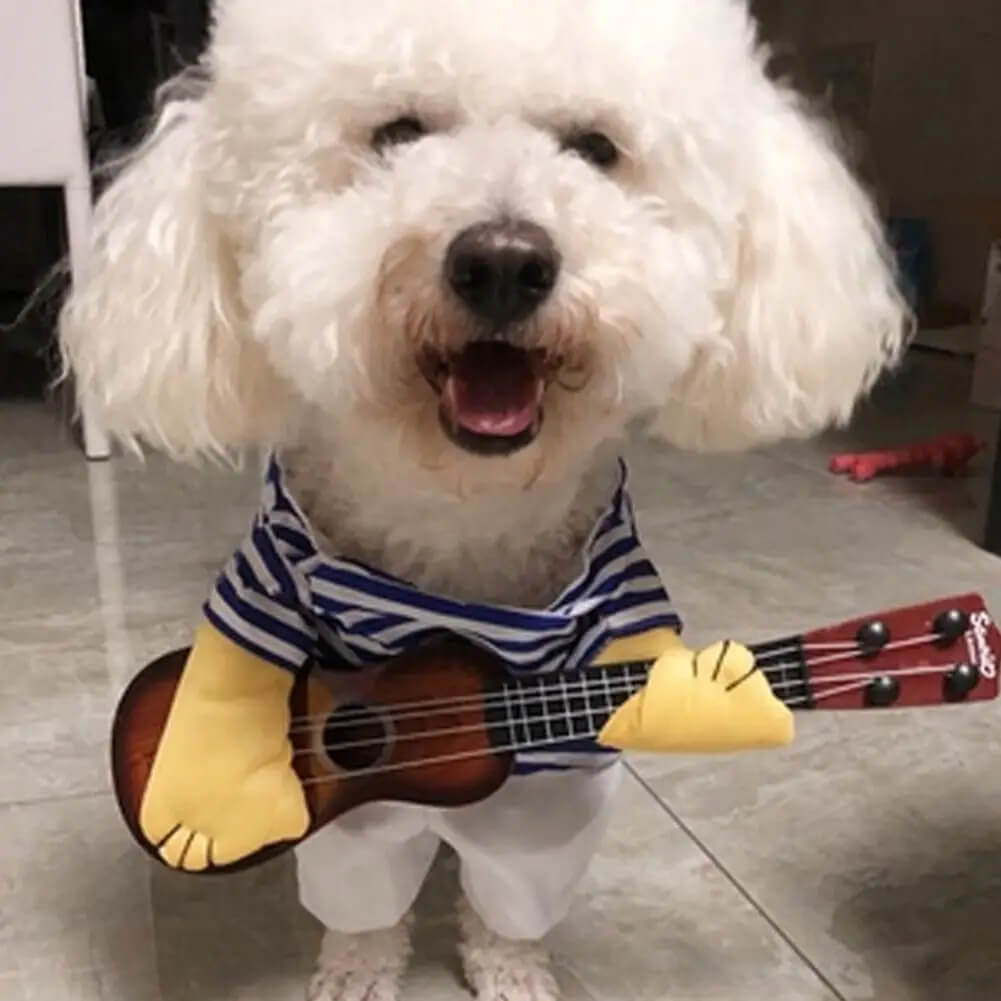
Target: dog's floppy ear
<point x="813" y="314"/>
<point x="153" y="330"/>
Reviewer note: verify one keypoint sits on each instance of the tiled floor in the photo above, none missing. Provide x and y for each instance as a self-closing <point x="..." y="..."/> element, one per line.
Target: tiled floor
<point x="864" y="863"/>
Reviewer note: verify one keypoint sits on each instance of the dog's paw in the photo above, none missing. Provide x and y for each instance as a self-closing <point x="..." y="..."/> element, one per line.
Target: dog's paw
<point x="363" y="967"/>
<point x="518" y="979"/>
<point x="499" y="969"/>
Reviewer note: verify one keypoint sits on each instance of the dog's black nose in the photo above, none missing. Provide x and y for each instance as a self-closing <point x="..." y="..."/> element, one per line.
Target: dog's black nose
<point x="503" y="271"/>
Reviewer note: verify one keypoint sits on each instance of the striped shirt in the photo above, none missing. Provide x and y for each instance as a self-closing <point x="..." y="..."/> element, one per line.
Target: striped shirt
<point x="282" y="598"/>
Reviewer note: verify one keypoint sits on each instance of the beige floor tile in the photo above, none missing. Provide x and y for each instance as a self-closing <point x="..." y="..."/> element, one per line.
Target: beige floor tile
<point x="75" y="918"/>
<point x="870" y="841"/>
<point x="105" y="566"/>
<point x="12" y="987"/>
<point x="657" y="922"/>
<point x="55" y="703"/>
<point x="792" y="566"/>
<point x="680" y="487"/>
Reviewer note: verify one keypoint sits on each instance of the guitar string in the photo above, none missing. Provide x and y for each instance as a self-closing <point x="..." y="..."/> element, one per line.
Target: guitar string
<point x="898" y="645"/>
<point x="449" y="702"/>
<point x="775" y="673"/>
<point x="489" y="699"/>
<point x="485" y="752"/>
<point x="613" y="688"/>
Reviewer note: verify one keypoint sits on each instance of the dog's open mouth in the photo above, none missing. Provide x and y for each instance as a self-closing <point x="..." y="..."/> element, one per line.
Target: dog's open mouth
<point x="490" y="395"/>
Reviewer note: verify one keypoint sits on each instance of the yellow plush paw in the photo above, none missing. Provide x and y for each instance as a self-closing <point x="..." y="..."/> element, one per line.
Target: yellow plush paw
<point x="711" y="701"/>
<point x="220" y="815"/>
<point x="222" y="784"/>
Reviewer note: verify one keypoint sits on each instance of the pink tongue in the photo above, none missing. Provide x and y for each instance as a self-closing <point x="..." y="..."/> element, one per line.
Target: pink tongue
<point x="492" y="389"/>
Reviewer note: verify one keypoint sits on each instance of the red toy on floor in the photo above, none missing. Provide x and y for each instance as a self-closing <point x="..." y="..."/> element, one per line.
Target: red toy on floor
<point x="949" y="453"/>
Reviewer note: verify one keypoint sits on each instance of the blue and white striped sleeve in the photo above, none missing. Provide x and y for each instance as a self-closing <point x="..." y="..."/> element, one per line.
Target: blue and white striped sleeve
<point x="256" y="604"/>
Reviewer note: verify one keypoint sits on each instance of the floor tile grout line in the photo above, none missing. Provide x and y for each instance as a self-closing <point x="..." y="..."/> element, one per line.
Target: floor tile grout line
<point x="58" y="798"/>
<point x="738" y="886"/>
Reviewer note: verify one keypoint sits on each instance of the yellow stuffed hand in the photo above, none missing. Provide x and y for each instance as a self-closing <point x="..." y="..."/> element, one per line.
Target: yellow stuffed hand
<point x="711" y="701"/>
<point x="222" y="785"/>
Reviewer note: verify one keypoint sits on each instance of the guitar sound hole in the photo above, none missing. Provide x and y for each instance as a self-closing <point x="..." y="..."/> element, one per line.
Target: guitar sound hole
<point x="354" y="737"/>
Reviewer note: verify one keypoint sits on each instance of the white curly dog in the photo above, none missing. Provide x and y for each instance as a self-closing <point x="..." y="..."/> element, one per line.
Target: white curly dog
<point x="437" y="258"/>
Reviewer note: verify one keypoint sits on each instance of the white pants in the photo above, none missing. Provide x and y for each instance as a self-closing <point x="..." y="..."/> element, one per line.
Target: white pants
<point x="522" y="853"/>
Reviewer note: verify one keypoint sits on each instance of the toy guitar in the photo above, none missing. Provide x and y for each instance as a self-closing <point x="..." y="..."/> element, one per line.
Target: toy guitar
<point x="390" y="733"/>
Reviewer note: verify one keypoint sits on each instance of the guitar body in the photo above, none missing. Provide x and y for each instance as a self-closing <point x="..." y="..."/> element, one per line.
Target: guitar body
<point x="378" y="756"/>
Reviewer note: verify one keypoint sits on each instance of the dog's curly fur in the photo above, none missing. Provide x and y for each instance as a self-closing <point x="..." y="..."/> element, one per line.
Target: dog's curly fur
<point x="261" y="276"/>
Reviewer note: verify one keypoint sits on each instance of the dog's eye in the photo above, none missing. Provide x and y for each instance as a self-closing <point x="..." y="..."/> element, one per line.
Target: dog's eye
<point x="398" y="132"/>
<point x="595" y="147"/>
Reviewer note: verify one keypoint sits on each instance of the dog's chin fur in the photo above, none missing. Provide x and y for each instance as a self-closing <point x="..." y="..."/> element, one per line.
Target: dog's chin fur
<point x="261" y="277"/>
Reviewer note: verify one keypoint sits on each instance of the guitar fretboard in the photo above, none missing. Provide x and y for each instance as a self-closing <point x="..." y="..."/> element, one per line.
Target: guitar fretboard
<point x="552" y="709"/>
<point x="555" y="709"/>
<point x="785" y="665"/>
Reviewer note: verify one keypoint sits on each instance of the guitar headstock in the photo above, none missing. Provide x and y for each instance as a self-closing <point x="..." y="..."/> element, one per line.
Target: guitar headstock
<point x="945" y="651"/>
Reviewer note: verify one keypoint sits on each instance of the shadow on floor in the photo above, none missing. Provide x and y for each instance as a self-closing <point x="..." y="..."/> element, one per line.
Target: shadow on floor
<point x="933" y="934"/>
<point x="230" y="936"/>
<point x="246" y="935"/>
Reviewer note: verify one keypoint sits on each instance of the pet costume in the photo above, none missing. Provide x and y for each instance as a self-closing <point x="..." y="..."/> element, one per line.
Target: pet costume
<point x="282" y="601"/>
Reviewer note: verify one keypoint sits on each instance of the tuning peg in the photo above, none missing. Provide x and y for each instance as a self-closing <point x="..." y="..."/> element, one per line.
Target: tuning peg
<point x="872" y="637"/>
<point x="951" y="624"/>
<point x="882" y="692"/>
<point x="959" y="682"/>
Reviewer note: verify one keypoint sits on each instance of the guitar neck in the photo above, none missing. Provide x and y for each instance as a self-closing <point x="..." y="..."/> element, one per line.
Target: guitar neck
<point x="546" y="709"/>
<point x="945" y="651"/>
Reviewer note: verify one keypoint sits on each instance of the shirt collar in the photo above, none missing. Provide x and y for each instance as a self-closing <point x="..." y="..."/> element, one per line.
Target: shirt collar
<point x="279" y="506"/>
